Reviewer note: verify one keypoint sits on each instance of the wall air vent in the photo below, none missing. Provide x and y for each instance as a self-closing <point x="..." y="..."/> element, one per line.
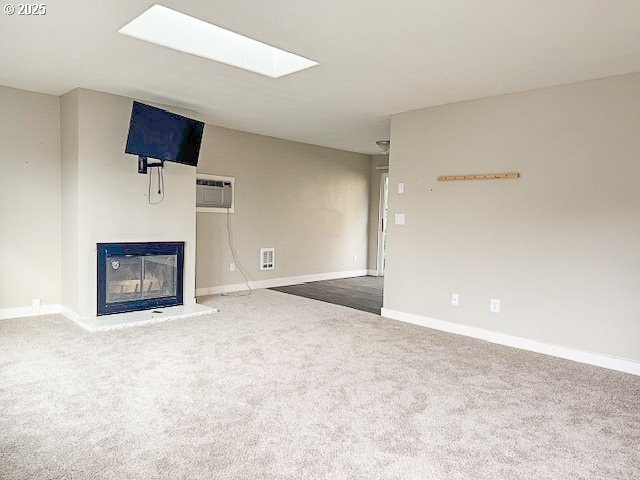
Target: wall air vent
<point x="267" y="258"/>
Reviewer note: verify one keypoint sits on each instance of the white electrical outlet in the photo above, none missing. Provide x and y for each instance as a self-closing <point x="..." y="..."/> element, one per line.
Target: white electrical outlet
<point x="455" y="299"/>
<point x="35" y="304"/>
<point x="232" y="267"/>
<point x="401" y="188"/>
<point x="494" y="305"/>
<point x="399" y="218"/>
<point x="355" y="257"/>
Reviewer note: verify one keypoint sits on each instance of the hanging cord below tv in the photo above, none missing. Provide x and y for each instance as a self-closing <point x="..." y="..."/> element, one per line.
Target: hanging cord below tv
<point x="235" y="259"/>
<point x="160" y="171"/>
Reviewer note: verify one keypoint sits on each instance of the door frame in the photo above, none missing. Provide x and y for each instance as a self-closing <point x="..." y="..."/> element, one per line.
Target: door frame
<point x="382" y="223"/>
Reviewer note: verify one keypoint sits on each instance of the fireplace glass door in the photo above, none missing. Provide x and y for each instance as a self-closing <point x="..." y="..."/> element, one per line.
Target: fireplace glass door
<point x="138" y="276"/>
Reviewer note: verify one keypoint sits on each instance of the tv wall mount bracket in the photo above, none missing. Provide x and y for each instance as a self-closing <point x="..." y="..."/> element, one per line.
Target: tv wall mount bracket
<point x="144" y="165"/>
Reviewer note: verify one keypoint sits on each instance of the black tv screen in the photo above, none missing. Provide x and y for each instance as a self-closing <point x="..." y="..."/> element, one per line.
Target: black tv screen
<point x="156" y="133"/>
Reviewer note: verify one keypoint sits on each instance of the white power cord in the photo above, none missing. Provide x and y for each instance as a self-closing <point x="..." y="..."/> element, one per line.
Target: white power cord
<point x="160" y="183"/>
<point x="235" y="259"/>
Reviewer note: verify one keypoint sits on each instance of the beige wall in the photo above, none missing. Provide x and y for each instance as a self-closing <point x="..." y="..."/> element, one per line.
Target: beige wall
<point x="374" y="208"/>
<point x="560" y="246"/>
<point x="29" y="198"/>
<point x="309" y="202"/>
<point x="112" y="200"/>
<point x="70" y="205"/>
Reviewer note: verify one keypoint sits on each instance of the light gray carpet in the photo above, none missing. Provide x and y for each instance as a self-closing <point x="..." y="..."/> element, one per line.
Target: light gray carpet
<point x="278" y="386"/>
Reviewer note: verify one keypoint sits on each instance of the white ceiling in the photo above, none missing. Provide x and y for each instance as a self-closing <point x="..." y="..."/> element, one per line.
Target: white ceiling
<point x="376" y="58"/>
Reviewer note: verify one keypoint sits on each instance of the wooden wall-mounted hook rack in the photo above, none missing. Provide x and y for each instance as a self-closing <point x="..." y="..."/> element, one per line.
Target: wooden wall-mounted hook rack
<point x="485" y="176"/>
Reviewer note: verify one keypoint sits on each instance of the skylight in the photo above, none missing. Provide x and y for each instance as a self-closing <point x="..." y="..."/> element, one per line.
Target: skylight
<point x="176" y="30"/>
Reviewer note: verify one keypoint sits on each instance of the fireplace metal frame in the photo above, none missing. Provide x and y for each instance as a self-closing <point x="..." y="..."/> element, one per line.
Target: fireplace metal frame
<point x="138" y="249"/>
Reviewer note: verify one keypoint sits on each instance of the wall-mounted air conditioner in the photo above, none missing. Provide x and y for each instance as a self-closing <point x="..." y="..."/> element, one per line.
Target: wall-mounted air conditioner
<point x="215" y="193"/>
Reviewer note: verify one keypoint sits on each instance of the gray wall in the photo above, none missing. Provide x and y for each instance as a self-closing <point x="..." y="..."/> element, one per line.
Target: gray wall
<point x="75" y="184"/>
<point x="29" y="198"/>
<point x="111" y="198"/>
<point x="309" y="202"/>
<point x="69" y="123"/>
<point x="560" y="246"/>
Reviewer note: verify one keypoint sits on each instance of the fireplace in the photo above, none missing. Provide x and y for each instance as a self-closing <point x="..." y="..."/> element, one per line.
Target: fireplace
<point x="139" y="276"/>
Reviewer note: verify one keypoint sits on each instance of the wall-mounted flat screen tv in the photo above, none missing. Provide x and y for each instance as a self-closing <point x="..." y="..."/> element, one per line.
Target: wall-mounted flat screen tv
<point x="156" y="133"/>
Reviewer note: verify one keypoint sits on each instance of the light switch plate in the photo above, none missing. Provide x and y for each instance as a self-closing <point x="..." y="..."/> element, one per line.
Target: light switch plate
<point x="401" y="187"/>
<point x="494" y="305"/>
<point x="399" y="218"/>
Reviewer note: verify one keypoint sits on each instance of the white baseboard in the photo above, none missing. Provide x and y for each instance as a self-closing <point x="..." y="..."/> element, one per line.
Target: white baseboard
<point x="29" y="311"/>
<point x="279" y="282"/>
<point x="373" y="273"/>
<point x="597" y="359"/>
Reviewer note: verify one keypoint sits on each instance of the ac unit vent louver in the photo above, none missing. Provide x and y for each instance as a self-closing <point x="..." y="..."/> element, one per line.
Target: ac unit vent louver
<point x="214" y="193"/>
<point x="267" y="258"/>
